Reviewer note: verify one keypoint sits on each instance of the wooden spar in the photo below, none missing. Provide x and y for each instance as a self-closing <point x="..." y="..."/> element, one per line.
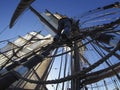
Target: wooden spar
<point x="43" y="19"/>
<point x="100" y="75"/>
<point x="19" y="10"/>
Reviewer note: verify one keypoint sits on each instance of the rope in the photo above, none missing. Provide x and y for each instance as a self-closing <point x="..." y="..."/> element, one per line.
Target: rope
<point x="76" y="75"/>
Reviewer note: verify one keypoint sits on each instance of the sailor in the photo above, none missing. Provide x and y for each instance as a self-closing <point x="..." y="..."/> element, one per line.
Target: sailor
<point x="64" y="28"/>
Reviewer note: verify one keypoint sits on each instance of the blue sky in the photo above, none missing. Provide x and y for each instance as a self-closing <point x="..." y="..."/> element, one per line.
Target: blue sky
<point x="28" y="21"/>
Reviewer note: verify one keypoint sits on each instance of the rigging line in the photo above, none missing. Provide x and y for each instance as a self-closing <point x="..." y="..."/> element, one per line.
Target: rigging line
<point x="38" y="86"/>
<point x="98" y="75"/>
<point x="100" y="53"/>
<point x="4" y="29"/>
<point x="101" y="85"/>
<point x="116" y="85"/>
<point x="19" y="50"/>
<point x="21" y="81"/>
<point x="65" y="66"/>
<point x="34" y="71"/>
<point x="23" y="59"/>
<point x="107" y="50"/>
<point x="96" y="52"/>
<point x="10" y="49"/>
<point x="6" y="40"/>
<point x="47" y="71"/>
<point x="75" y="75"/>
<point x="45" y="75"/>
<point x="102" y="20"/>
<point x="117" y="75"/>
<point x="4" y="55"/>
<point x="85" y="60"/>
<point x="16" y="63"/>
<point x="95" y="79"/>
<point x="68" y="73"/>
<point x="100" y="16"/>
<point x="31" y="73"/>
<point x="20" y="47"/>
<point x="114" y="5"/>
<point x="99" y="72"/>
<point x="100" y="28"/>
<point x="113" y="31"/>
<point x="60" y="69"/>
<point x="51" y="65"/>
<point x="14" y="54"/>
<point x="91" y="87"/>
<point x="113" y="28"/>
<point x="71" y="66"/>
<point x="93" y="47"/>
<point x="71" y="49"/>
<point x="112" y="81"/>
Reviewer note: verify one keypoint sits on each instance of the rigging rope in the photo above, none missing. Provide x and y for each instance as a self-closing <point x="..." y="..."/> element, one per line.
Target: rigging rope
<point x="76" y="75"/>
<point x="115" y="5"/>
<point x="4" y="29"/>
<point x="19" y="50"/>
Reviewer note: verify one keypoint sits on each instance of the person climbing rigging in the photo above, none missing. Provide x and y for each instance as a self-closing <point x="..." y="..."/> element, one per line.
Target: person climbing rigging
<point x="65" y="26"/>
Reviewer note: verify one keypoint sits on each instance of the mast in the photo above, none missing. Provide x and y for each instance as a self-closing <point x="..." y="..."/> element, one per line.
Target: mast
<point x="75" y="83"/>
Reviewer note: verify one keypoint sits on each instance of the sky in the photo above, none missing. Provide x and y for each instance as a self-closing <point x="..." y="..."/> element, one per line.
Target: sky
<point x="29" y="22"/>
